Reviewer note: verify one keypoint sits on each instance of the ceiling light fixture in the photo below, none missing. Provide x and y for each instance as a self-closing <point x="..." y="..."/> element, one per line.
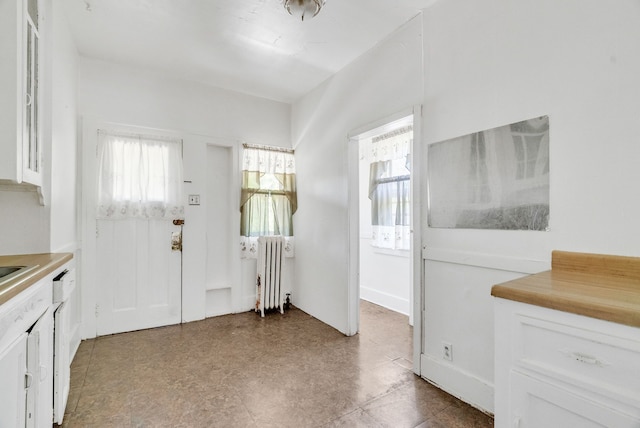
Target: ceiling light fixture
<point x="303" y="9"/>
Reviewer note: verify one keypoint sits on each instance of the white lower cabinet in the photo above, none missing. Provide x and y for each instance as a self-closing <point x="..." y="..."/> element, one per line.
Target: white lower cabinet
<point x="557" y="369"/>
<point x="536" y="403"/>
<point x="13" y="397"/>
<point x="62" y="369"/>
<point x="40" y="372"/>
<point x="26" y="370"/>
<point x="27" y="358"/>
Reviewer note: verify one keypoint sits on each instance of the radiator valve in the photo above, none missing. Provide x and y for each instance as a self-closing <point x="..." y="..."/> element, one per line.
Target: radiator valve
<point x="287" y="302"/>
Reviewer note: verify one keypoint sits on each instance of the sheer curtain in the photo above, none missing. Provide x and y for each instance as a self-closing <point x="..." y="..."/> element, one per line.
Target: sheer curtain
<point x="268" y="197"/>
<point x="390" y="189"/>
<point x="139" y="177"/>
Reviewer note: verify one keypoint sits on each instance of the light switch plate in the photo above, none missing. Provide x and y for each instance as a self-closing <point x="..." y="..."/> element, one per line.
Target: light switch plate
<point x="194" y="199"/>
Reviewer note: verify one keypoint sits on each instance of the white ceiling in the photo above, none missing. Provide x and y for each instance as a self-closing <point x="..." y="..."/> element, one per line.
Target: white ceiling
<point x="250" y="46"/>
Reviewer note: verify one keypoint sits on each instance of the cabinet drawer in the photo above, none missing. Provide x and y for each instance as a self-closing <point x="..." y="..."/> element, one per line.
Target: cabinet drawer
<point x="23" y="310"/>
<point x="63" y="285"/>
<point x="539" y="404"/>
<point x="602" y="363"/>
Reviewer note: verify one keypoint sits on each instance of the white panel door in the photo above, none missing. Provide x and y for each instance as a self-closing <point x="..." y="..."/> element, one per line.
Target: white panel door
<point x="138" y="275"/>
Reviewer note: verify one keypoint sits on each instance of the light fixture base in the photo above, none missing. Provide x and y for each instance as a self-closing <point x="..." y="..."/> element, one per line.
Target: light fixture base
<point x="303" y="9"/>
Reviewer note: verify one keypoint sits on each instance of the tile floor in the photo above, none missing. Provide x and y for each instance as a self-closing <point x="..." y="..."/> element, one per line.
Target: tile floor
<point x="245" y="371"/>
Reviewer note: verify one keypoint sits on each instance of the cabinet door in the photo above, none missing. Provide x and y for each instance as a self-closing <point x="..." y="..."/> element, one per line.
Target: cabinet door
<point x="13" y="368"/>
<point x="62" y="362"/>
<point x="536" y="403"/>
<point x="21" y="92"/>
<point x="40" y="369"/>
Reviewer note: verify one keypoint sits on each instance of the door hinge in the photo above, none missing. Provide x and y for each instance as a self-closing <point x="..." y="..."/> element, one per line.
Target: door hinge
<point x="97" y="310"/>
<point x="97" y="231"/>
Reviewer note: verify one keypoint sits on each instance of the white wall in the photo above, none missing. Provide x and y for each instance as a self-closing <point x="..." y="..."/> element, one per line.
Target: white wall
<point x="382" y="82"/>
<point x="143" y="97"/>
<point x="202" y="116"/>
<point x="63" y="136"/>
<point x="496" y="62"/>
<point x="24" y="223"/>
<point x="385" y="275"/>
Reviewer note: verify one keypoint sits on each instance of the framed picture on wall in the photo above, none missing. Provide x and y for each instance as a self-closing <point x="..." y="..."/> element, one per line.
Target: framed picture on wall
<point x="492" y="179"/>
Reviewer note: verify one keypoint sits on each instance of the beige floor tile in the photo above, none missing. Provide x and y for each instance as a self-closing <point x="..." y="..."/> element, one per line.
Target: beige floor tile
<point x="356" y="419"/>
<point x="410" y="405"/>
<point x="242" y="370"/>
<point x="460" y="415"/>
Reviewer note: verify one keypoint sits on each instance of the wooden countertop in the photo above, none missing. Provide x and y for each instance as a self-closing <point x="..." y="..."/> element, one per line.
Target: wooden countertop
<point x="599" y="286"/>
<point x="46" y="263"/>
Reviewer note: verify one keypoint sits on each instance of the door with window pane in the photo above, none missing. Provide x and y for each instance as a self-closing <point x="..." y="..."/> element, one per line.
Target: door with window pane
<point x="138" y="246"/>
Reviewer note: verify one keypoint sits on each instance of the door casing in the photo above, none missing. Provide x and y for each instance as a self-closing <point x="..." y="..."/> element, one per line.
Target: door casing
<point x="417" y="198"/>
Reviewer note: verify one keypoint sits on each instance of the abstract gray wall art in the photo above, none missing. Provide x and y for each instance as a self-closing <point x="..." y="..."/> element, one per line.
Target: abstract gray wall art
<point x="493" y="179"/>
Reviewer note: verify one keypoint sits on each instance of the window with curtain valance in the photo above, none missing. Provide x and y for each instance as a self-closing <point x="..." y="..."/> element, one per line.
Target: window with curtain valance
<point x="268" y="197"/>
<point x="139" y="176"/>
<point x="390" y="188"/>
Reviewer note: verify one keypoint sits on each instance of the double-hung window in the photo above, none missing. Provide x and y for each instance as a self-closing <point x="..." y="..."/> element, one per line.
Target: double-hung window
<point x="268" y="196"/>
<point x="390" y="189"/>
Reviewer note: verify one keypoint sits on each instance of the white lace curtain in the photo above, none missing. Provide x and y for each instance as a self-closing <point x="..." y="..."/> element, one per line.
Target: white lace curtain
<point x="139" y="177"/>
<point x="268" y="199"/>
<point x="389" y="189"/>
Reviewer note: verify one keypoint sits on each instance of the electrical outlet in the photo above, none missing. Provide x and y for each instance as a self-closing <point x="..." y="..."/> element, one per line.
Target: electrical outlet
<point x="194" y="199"/>
<point x="447" y="351"/>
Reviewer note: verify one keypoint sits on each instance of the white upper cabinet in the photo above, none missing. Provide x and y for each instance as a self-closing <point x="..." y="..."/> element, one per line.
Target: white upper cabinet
<point x="20" y="92"/>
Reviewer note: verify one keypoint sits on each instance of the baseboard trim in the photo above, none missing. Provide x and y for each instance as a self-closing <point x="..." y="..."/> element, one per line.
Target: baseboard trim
<point x="385" y="300"/>
<point x="463" y="385"/>
<point x="248" y="304"/>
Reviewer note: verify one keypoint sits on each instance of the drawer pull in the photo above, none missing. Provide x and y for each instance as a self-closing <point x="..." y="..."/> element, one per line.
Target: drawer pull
<point x="584" y="358"/>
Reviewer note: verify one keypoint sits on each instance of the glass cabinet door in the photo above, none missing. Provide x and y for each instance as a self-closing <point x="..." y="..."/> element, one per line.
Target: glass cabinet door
<point x="31" y="130"/>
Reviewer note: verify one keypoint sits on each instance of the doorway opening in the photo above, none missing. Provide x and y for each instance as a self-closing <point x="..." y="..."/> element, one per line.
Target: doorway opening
<point x="384" y="175"/>
<point x="383" y="245"/>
